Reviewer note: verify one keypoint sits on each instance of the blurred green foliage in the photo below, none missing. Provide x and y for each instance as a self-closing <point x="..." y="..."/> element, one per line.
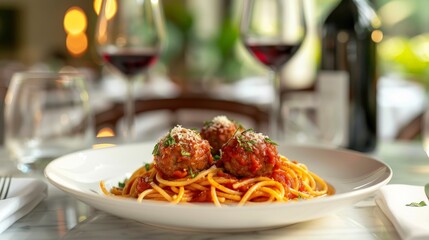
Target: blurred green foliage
<point x="192" y="58"/>
<point x="404" y="50"/>
<point x="407" y="57"/>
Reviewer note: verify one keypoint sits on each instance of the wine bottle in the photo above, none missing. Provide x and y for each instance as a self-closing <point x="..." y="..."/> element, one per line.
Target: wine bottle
<point x="348" y="45"/>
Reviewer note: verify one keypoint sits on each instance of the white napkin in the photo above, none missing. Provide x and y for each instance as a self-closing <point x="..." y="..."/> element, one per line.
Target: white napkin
<point x="24" y="194"/>
<point x="412" y="223"/>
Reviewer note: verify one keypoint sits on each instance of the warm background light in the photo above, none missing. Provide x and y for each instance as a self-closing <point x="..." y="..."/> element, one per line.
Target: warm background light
<point x="104" y="135"/>
<point x="75" y="21"/>
<point x="103" y="145"/>
<point x="77" y="43"/>
<point x="105" y="132"/>
<point x="377" y="36"/>
<point x="75" y="24"/>
<point x="111" y="10"/>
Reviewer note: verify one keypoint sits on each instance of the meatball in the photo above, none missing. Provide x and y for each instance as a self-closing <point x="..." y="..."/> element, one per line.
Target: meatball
<point x="218" y="131"/>
<point x="182" y="152"/>
<point x="249" y="154"/>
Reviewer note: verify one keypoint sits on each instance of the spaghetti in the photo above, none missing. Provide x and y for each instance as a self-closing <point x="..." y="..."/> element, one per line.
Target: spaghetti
<point x="247" y="168"/>
<point x="289" y="181"/>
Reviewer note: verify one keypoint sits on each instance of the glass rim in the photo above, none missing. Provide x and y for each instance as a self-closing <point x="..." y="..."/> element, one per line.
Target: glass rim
<point x="45" y="74"/>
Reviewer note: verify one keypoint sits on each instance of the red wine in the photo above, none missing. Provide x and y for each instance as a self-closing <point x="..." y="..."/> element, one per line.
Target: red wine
<point x="347" y="46"/>
<point x="272" y="55"/>
<point x="130" y="62"/>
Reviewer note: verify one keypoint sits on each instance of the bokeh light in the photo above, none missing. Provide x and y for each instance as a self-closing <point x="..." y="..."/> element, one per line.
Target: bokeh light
<point x="105" y="132"/>
<point x="420" y="46"/>
<point x="377" y="36"/>
<point x="75" y="24"/>
<point x="111" y="8"/>
<point x="77" y="43"/>
<point x="75" y="21"/>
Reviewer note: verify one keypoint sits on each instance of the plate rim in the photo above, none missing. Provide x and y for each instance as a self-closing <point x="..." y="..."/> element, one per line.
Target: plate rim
<point x="339" y="196"/>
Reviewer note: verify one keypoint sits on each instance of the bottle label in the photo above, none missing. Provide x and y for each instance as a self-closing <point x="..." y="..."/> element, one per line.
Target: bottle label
<point x="332" y="107"/>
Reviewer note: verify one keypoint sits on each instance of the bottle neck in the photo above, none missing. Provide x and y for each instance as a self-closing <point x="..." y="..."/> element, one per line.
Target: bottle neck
<point x="355" y="2"/>
<point x="361" y="10"/>
<point x="365" y="1"/>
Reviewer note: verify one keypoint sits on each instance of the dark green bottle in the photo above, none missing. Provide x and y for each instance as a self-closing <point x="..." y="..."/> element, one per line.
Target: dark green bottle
<point x="349" y="36"/>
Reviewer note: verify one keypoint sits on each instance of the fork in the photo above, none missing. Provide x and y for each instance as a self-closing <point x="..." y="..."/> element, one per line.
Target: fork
<point x="4" y="186"/>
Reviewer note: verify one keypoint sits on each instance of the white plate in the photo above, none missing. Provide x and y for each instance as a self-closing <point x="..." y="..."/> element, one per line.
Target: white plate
<point x="354" y="176"/>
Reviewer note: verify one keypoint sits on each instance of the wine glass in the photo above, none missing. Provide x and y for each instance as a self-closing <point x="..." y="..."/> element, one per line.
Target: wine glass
<point x="273" y="31"/>
<point x="47" y="115"/>
<point x="128" y="37"/>
<point x="425" y="131"/>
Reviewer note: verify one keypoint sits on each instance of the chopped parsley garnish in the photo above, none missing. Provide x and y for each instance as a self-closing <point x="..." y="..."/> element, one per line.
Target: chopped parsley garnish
<point x="191" y="173"/>
<point x="122" y="184"/>
<point x="207" y="123"/>
<point x="238" y="124"/>
<point x="247" y="130"/>
<point x="421" y="203"/>
<point x="147" y="166"/>
<point x="416" y="204"/>
<point x="216" y="157"/>
<point x="185" y="153"/>
<point x="233" y="136"/>
<point x="155" y="151"/>
<point x="169" y="140"/>
<point x="244" y="143"/>
<point x="268" y="140"/>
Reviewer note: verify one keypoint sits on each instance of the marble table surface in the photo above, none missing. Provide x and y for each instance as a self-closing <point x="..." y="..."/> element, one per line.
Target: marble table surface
<point x="60" y="216"/>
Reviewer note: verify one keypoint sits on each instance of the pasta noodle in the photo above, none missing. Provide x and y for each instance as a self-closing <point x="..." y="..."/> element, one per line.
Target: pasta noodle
<point x="290" y="181"/>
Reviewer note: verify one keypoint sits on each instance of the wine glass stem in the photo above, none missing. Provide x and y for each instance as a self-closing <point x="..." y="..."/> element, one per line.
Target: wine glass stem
<point x="275" y="120"/>
<point x="129" y="114"/>
<point x="426" y="131"/>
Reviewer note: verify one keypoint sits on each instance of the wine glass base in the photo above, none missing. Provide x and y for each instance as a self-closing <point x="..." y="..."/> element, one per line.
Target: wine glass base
<point x="38" y="166"/>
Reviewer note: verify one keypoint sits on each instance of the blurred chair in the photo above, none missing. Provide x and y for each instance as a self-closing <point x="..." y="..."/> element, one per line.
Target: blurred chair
<point x="189" y="111"/>
<point x="412" y="129"/>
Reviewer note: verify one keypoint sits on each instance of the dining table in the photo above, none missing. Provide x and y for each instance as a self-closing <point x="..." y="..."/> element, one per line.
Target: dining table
<point x="60" y="216"/>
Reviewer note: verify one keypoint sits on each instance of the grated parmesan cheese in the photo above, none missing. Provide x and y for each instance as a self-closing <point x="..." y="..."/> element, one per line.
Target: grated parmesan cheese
<point x="251" y="135"/>
<point x="219" y="122"/>
<point x="184" y="134"/>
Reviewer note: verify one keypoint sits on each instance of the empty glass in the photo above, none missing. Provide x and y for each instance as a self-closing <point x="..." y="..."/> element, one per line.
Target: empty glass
<point x="46" y="115"/>
<point x="425" y="131"/>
